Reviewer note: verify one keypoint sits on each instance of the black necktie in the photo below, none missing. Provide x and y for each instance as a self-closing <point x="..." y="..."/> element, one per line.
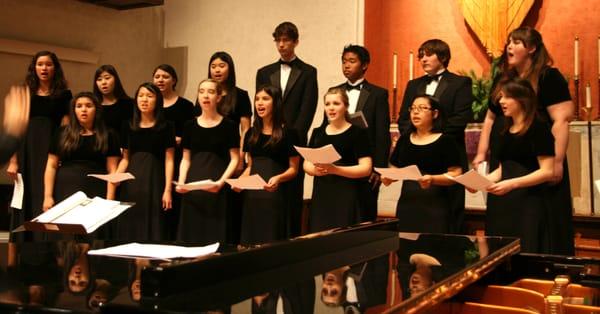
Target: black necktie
<point x="288" y="63"/>
<point x="350" y="87"/>
<point x="431" y="78"/>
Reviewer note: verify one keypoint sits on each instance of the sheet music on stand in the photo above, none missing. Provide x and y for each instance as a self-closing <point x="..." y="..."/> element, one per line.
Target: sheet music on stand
<point x="76" y="214"/>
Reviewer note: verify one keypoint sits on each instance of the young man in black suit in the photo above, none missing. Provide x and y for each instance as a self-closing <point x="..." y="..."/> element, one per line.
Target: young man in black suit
<point x="372" y="101"/>
<point x="298" y="83"/>
<point x="454" y="93"/>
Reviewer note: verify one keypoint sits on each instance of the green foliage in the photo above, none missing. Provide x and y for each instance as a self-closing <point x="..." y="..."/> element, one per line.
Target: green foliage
<point x="482" y="86"/>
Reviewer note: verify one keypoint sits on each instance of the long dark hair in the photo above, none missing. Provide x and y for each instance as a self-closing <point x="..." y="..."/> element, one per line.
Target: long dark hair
<point x="540" y="59"/>
<point x="521" y="90"/>
<point x="158" y="107"/>
<point x="277" y="118"/>
<point x="71" y="135"/>
<point x="229" y="101"/>
<point x="58" y="84"/>
<point x="118" y="91"/>
<point x="169" y="69"/>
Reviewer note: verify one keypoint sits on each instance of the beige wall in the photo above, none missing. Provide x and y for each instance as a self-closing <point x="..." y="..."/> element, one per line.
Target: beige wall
<point x="244" y="28"/>
<point x="130" y="40"/>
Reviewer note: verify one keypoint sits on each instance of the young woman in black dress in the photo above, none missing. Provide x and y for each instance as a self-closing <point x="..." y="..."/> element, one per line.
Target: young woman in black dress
<point x="117" y="106"/>
<point x="82" y="147"/>
<point x="235" y="106"/>
<point x="515" y="205"/>
<point x="148" y="150"/>
<point x="210" y="151"/>
<point x="269" y="148"/>
<point x="178" y="111"/>
<point x="49" y="108"/>
<point x="335" y="187"/>
<point x="526" y="56"/>
<point x="425" y="205"/>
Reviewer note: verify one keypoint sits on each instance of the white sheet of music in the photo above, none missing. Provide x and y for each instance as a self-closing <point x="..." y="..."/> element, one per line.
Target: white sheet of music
<point x="80" y="210"/>
<point x="156" y="251"/>
<point x="18" y="190"/>
<point x="473" y="180"/>
<point x="411" y="172"/>
<point x="597" y="184"/>
<point x="253" y="182"/>
<point x="322" y="155"/>
<point x="197" y="185"/>
<point x="113" y="177"/>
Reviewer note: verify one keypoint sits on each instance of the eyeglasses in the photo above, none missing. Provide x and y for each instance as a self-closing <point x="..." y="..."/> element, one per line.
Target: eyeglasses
<point x="418" y="108"/>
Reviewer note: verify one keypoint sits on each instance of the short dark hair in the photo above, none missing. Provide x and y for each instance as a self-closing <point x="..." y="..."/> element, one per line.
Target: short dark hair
<point x="286" y="29"/>
<point x="437" y="47"/>
<point x="361" y="52"/>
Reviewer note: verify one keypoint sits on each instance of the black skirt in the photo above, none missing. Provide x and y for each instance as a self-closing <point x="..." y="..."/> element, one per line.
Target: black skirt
<point x="203" y="214"/>
<point x="424" y="210"/>
<point x="264" y="214"/>
<point x="334" y="203"/>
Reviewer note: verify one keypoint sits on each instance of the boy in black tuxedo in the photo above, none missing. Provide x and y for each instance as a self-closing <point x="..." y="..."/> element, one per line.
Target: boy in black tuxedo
<point x="454" y="93"/>
<point x="298" y="83"/>
<point x="372" y="101"/>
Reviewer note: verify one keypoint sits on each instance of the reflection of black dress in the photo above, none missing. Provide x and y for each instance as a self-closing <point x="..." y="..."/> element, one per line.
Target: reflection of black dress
<point x="425" y="210"/>
<point x="114" y="115"/>
<point x="146" y="147"/>
<point x="552" y="89"/>
<point x="521" y="212"/>
<point x="264" y="213"/>
<point x="335" y="198"/>
<point x="203" y="214"/>
<point x="72" y="174"/>
<point x="44" y="118"/>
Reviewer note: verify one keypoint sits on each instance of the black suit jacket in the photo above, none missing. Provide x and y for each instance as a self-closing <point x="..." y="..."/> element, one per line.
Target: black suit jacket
<point x="374" y="104"/>
<point x="300" y="96"/>
<point x="455" y="96"/>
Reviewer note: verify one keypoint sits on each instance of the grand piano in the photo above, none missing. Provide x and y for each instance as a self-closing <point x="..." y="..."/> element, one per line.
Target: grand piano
<point x="368" y="268"/>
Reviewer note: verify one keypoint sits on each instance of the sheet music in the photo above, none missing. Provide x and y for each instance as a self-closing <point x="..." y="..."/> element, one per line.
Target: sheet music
<point x="253" y="182"/>
<point x="155" y="251"/>
<point x="113" y="177"/>
<point x="18" y="190"/>
<point x="322" y="155"/>
<point x="197" y="185"/>
<point x="78" y="209"/>
<point x="473" y="180"/>
<point x="411" y="172"/>
<point x="597" y="184"/>
<point x="358" y="119"/>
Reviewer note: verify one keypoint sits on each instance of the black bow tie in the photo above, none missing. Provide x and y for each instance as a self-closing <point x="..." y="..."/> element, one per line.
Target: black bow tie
<point x="431" y="78"/>
<point x="288" y="63"/>
<point x="350" y="87"/>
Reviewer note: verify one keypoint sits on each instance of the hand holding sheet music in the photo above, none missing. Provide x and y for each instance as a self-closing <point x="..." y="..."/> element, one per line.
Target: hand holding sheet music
<point x="472" y="180"/>
<point x="113" y="177"/>
<point x="197" y="185"/>
<point x="322" y="155"/>
<point x="253" y="182"/>
<point x="411" y="172"/>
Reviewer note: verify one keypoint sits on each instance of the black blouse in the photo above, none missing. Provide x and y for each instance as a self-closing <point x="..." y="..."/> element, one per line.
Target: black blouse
<point x="351" y="144"/>
<point x="433" y="158"/>
<point x="218" y="139"/>
<point x="280" y="152"/>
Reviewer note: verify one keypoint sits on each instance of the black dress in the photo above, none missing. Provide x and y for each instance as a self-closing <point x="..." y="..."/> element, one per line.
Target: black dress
<point x="146" y="147"/>
<point x="521" y="212"/>
<point x="45" y="115"/>
<point x="552" y="89"/>
<point x="425" y="210"/>
<point x="335" y="198"/>
<point x="178" y="113"/>
<point x="72" y="173"/>
<point x="264" y="216"/>
<point x="203" y="214"/>
<point x="114" y="115"/>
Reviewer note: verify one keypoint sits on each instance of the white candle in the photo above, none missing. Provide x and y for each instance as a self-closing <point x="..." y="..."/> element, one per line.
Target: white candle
<point x="588" y="96"/>
<point x="576" y="65"/>
<point x="410" y="65"/>
<point x="395" y="69"/>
